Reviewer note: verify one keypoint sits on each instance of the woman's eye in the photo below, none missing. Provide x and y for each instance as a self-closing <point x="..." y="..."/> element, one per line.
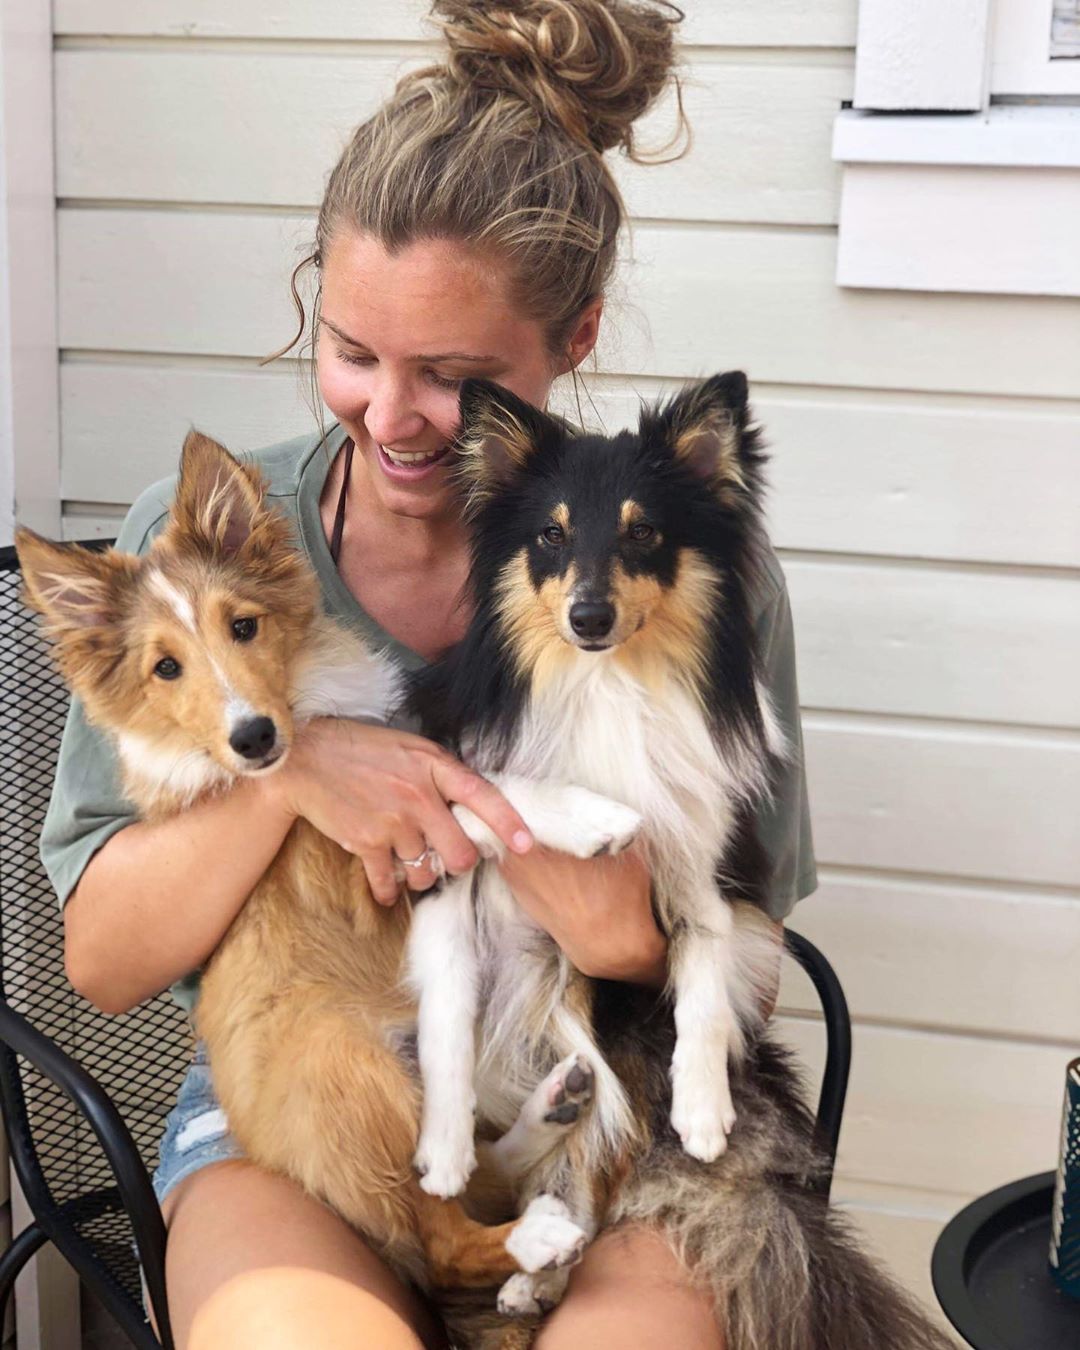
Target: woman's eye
<point x="243" y="630"/>
<point x="167" y="668"/>
<point x="443" y="381"/>
<point x="553" y="534"/>
<point x="640" y="532"/>
<point x="354" y="358"/>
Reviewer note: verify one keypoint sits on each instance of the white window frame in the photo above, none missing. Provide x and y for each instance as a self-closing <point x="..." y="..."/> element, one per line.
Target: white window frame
<point x="1021" y="63"/>
<point x="981" y="198"/>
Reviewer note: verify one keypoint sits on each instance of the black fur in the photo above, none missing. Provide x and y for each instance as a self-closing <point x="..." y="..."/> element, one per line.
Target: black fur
<point x="785" y="1272"/>
<point x="475" y="689"/>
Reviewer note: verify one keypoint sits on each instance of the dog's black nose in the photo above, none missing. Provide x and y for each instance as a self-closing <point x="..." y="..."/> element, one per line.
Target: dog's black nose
<point x="254" y="738"/>
<point x="592" y="618"/>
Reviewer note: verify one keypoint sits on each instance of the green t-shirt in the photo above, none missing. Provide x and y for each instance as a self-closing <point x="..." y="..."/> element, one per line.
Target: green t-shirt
<point x="87" y="806"/>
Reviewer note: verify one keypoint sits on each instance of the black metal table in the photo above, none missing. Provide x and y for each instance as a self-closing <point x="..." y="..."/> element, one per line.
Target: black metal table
<point x="992" y="1276"/>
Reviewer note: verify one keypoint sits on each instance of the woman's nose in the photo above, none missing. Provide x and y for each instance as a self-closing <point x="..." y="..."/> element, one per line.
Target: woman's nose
<point x="391" y="417"/>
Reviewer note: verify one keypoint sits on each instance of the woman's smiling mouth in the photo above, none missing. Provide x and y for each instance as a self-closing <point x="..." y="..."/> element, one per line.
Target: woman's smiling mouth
<point x="410" y="465"/>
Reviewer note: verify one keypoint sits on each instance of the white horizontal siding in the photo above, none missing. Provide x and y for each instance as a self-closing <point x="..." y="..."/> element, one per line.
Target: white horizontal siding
<point x="827" y="23"/>
<point x="990" y="967"/>
<point x="134" y="124"/>
<point x="926" y="456"/>
<point x="975" y="645"/>
<point x="932" y="797"/>
<point x="937" y="1112"/>
<point x="714" y="297"/>
<point x="851" y="471"/>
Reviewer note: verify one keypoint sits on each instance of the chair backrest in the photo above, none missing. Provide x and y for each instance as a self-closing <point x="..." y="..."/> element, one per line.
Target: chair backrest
<point x="138" y="1058"/>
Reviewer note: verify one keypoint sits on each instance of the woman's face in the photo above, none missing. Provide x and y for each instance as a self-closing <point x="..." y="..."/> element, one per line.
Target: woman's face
<point x="398" y="334"/>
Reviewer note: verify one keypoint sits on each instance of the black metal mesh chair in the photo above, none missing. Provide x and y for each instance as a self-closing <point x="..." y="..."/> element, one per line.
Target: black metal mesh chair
<point x="84" y="1094"/>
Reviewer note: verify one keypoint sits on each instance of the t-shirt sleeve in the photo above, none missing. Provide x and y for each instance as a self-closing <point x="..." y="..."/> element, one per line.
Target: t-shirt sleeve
<point x="87" y="806"/>
<point x="783" y="822"/>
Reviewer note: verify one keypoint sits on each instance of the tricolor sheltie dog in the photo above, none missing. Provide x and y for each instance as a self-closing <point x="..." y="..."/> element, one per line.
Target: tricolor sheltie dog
<point x="200" y="660"/>
<point x="612" y="647"/>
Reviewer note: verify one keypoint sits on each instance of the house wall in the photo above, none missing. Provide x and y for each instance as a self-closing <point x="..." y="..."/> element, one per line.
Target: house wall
<point x="925" y="474"/>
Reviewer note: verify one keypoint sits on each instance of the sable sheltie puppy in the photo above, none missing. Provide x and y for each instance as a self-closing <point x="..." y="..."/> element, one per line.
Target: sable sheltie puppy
<point x="200" y="660"/>
<point x="612" y="646"/>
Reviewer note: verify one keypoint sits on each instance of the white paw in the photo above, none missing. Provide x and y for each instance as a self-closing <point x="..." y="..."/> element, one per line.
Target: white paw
<point x="546" y="1237"/>
<point x="445" y="1164"/>
<point x="487" y="842"/>
<point x="702" y="1113"/>
<point x="526" y="1295"/>
<point x="596" y="825"/>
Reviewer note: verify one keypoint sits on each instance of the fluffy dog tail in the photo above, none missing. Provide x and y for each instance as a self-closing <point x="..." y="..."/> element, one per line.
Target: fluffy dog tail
<point x="786" y="1271"/>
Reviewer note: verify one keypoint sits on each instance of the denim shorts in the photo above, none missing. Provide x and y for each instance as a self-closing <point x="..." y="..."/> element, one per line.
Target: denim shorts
<point x="196" y="1131"/>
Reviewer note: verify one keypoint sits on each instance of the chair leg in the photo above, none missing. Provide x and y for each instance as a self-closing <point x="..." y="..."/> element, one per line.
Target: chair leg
<point x="29" y="1241"/>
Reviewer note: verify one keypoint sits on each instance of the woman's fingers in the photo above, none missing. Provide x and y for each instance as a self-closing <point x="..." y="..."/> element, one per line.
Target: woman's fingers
<point x="414" y="859"/>
<point x="381" y="874"/>
<point x="456" y="783"/>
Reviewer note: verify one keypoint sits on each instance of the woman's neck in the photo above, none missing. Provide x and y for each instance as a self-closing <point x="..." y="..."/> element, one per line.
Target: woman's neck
<point x="407" y="572"/>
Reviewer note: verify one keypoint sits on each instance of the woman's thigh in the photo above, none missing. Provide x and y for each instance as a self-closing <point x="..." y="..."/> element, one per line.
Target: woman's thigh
<point x="631" y="1290"/>
<point x="252" y="1261"/>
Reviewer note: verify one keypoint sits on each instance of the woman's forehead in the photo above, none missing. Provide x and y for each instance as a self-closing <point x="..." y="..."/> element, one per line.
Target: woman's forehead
<point x="430" y="298"/>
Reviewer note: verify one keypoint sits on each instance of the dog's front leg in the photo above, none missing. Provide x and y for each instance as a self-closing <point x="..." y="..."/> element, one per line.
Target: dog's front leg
<point x="561" y="816"/>
<point x="700" y="956"/>
<point x="443" y="971"/>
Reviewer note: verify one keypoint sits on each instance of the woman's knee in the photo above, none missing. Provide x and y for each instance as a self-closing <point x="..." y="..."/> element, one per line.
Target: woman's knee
<point x="253" y="1261"/>
<point x="630" y="1289"/>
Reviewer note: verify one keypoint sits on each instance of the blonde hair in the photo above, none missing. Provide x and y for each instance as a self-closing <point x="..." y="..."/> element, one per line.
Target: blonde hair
<point x="501" y="146"/>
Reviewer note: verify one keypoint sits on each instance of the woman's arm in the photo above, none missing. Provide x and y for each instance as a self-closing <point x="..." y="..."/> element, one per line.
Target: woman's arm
<point x="156" y="899"/>
<point x="154" y="902"/>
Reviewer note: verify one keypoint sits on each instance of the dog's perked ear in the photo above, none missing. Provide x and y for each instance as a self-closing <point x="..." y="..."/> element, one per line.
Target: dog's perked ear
<point x="218" y="499"/>
<point x="705" y="427"/>
<point x="499" y="431"/>
<point x="73" y="588"/>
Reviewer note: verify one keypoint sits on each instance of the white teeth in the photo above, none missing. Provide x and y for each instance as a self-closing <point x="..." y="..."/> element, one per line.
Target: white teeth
<point x="403" y="457"/>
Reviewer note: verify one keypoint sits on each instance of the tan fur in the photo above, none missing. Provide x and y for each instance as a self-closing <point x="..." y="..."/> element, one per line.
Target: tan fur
<point x="534" y="618"/>
<point x="495" y="444"/>
<point x="705" y="435"/>
<point x="666" y="625"/>
<point x="657" y="629"/>
<point x="302" y="1003"/>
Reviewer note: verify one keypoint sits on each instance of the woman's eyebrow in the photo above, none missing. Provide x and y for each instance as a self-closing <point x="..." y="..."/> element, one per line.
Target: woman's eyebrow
<point x="442" y="356"/>
<point x="454" y="356"/>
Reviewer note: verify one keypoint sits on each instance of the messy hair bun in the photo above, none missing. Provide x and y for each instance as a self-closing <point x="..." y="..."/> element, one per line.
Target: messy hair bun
<point x="500" y="146"/>
<point x="591" y="66"/>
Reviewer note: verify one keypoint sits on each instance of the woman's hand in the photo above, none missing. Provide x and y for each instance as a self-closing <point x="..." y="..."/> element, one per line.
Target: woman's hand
<point x="379" y="792"/>
<point x="597" y="909"/>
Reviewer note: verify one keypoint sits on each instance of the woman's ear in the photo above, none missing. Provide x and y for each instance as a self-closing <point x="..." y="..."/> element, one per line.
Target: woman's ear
<point x="583" y="338"/>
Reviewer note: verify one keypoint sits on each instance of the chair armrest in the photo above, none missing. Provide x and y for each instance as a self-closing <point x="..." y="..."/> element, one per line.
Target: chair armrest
<point x="834" y="1082"/>
<point x="132" y="1179"/>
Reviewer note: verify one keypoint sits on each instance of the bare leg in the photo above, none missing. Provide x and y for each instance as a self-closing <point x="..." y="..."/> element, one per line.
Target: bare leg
<point x="630" y="1290"/>
<point x="253" y="1263"/>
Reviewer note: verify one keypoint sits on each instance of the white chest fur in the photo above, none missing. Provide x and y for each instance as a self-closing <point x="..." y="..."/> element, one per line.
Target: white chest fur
<point x="649" y="747"/>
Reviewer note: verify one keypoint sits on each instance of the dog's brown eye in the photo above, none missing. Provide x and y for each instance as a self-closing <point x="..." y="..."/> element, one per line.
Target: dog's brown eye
<point x="640" y="532"/>
<point x="167" y="668"/>
<point x="554" y="534"/>
<point x="244" y="629"/>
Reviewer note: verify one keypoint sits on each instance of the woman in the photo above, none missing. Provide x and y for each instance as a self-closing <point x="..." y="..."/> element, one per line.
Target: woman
<point x="468" y="229"/>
